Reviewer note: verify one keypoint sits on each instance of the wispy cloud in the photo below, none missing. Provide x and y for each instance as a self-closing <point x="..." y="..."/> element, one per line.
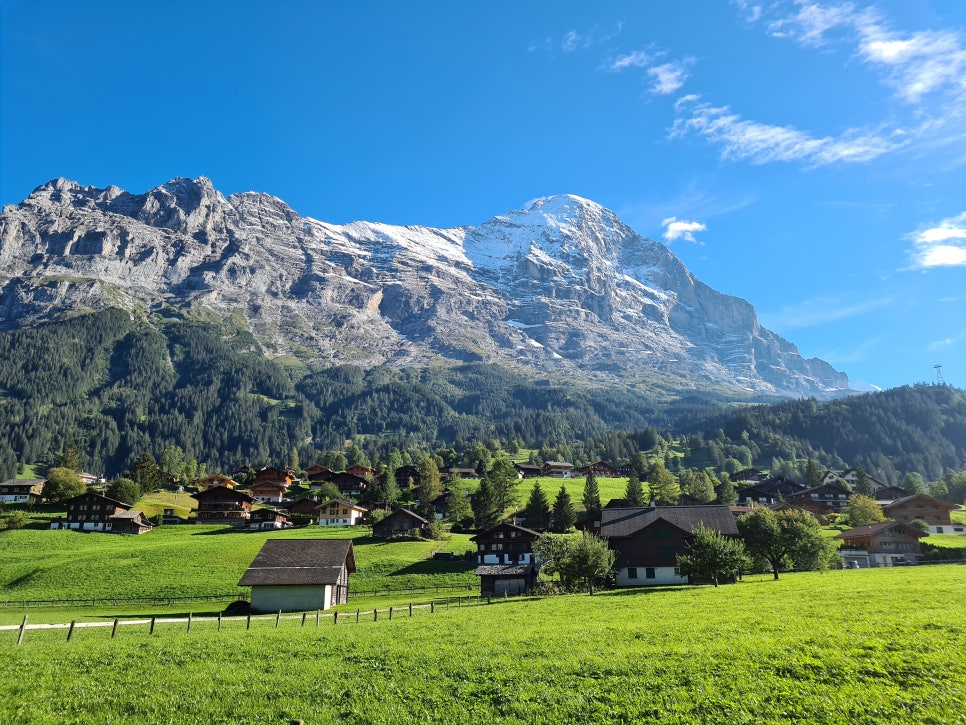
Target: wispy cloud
<point x="947" y="342"/>
<point x="675" y="228"/>
<point x="573" y="40"/>
<point x="669" y="77"/>
<point x="762" y="143"/>
<point x="821" y="311"/>
<point x="940" y="245"/>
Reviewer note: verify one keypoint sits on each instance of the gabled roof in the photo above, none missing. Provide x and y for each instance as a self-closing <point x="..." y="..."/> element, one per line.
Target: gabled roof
<point x="929" y="499"/>
<point x="299" y="562"/>
<point x="489" y="533"/>
<point x="403" y="512"/>
<point x="617" y="523"/>
<point x="340" y="502"/>
<point x="133" y="515"/>
<point x="874" y="529"/>
<point x="90" y="494"/>
<point x="223" y="491"/>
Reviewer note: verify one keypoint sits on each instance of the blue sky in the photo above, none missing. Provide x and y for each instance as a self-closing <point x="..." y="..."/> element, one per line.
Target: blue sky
<point x="809" y="157"/>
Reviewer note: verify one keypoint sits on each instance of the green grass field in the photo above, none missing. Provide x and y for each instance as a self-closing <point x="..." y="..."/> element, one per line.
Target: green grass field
<point x="847" y="647"/>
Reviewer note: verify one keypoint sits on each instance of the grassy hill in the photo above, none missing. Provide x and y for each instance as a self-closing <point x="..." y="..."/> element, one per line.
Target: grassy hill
<point x="844" y="647"/>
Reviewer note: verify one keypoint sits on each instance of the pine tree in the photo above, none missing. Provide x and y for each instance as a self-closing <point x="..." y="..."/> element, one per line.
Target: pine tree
<point x="863" y="484"/>
<point x="813" y="474"/>
<point x="70" y="458"/>
<point x="664" y="488"/>
<point x="537" y="509"/>
<point x="429" y="486"/>
<point x="591" y="497"/>
<point x="390" y="489"/>
<point x="486" y="510"/>
<point x="563" y="512"/>
<point x="504" y="479"/>
<point x="635" y="492"/>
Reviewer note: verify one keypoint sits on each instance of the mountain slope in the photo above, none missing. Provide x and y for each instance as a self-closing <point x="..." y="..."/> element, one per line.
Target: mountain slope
<point x="562" y="287"/>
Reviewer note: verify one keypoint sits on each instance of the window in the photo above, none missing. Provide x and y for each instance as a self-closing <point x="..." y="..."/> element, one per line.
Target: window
<point x="649" y="573"/>
<point x="662" y="533"/>
<point x="632" y="572"/>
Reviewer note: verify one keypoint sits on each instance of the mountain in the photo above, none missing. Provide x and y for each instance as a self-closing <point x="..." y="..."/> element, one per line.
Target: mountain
<point x="561" y="288"/>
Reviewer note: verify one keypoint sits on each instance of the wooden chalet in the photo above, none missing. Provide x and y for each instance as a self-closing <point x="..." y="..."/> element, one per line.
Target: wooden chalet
<point x="274" y="475"/>
<point x="401" y="522"/>
<point x="505" y="559"/>
<point x="359" y="470"/>
<point x="92" y="512"/>
<point x="349" y="484"/>
<point x="461" y="472"/>
<point x="268" y="491"/>
<point x="891" y="543"/>
<point x="558" y="469"/>
<point x="850" y="477"/>
<point x="221" y="505"/>
<point x="268" y="518"/>
<point x="648" y="541"/>
<point x="303" y="507"/>
<point x="833" y="497"/>
<point x="316" y="469"/>
<point x="217" y="479"/>
<point x="600" y="468"/>
<point x="890" y="493"/>
<point x="129" y="522"/>
<point x="933" y="511"/>
<point x="319" y="474"/>
<point x="408" y="476"/>
<point x="338" y="512"/>
<point x="14" y="491"/>
<point x="293" y="575"/>
<point x="528" y="470"/>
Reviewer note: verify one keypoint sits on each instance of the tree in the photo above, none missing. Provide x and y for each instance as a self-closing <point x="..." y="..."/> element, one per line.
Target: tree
<point x="172" y="462"/>
<point x="459" y="510"/>
<point x="329" y="491"/>
<point x="551" y="550"/>
<point x="332" y="459"/>
<point x="390" y="488"/>
<point x="712" y="555"/>
<point x="504" y="479"/>
<point x="486" y="510"/>
<point x="913" y="483"/>
<point x="727" y="495"/>
<point x="588" y="559"/>
<point x="591" y="497"/>
<point x="784" y="538"/>
<point x="664" y="489"/>
<point x="813" y="474"/>
<point x="563" y="512"/>
<point x="537" y="509"/>
<point x="634" y="493"/>
<point x="124" y="490"/>
<point x="863" y="511"/>
<point x="69" y="458"/>
<point x="697" y="484"/>
<point x="430" y="487"/>
<point x="62" y="484"/>
<point x="293" y="459"/>
<point x="145" y="473"/>
<point x="863" y="484"/>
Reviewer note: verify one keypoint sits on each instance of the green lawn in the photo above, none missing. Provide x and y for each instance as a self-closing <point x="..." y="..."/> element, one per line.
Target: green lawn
<point x="868" y="647"/>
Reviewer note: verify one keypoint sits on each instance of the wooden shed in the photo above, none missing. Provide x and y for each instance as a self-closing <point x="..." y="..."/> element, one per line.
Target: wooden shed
<point x="296" y="575"/>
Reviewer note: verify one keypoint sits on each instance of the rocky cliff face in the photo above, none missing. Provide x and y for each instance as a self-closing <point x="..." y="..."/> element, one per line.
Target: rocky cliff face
<point x="562" y="286"/>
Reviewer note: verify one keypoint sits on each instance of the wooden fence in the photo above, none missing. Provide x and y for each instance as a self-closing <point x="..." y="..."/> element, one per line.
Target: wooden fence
<point x="316" y="618"/>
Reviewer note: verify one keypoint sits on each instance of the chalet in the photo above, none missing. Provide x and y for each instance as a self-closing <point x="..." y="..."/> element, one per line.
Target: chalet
<point x="648" y="541"/>
<point x="221" y="505"/>
<point x="21" y="491"/>
<point x="319" y="474"/>
<point x="217" y="479"/>
<point x="528" y="470"/>
<point x="274" y="475"/>
<point x="850" y="478"/>
<point x="268" y="491"/>
<point x="558" y="469"/>
<point x="459" y="472"/>
<point x="315" y="469"/>
<point x="338" y="512"/>
<point x="401" y="522"/>
<point x="294" y="575"/>
<point x="751" y="475"/>
<point x="129" y="522"/>
<point x="91" y="512"/>
<point x="505" y="559"/>
<point x="769" y="490"/>
<point x="887" y="544"/>
<point x="359" y="470"/>
<point x="440" y="505"/>
<point x="830" y="495"/>
<point x="349" y="484"/>
<point x="933" y="511"/>
<point x="890" y="493"/>
<point x="303" y="507"/>
<point x="599" y="468"/>
<point x="408" y="476"/>
<point x="267" y="519"/>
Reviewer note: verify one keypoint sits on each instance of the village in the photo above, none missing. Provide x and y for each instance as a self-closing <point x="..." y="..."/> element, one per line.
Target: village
<point x="647" y="541"/>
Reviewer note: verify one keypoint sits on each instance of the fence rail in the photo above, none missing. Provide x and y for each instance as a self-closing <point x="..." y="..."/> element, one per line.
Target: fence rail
<point x="115" y="601"/>
<point x="337" y="617"/>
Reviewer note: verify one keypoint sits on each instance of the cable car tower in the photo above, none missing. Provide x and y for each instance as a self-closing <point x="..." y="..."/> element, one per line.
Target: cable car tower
<point x="939" y="375"/>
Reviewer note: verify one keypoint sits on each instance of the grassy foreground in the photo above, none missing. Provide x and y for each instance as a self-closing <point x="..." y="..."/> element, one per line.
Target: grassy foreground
<point x="870" y="646"/>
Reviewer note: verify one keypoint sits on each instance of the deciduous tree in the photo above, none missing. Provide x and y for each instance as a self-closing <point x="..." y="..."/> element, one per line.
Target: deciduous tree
<point x="862" y="511"/>
<point x="712" y="555"/>
<point x="62" y="484"/>
<point x="784" y="538"/>
<point x="124" y="490"/>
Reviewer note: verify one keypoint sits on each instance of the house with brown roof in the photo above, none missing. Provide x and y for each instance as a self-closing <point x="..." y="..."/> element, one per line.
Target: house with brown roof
<point x="273" y="474"/>
<point x="600" y="468"/>
<point x="933" y="511"/>
<point x="528" y="470"/>
<point x="268" y="518"/>
<point x="831" y="496"/>
<point x="339" y="512"/>
<point x="350" y="484"/>
<point x="92" y="512"/>
<point x="505" y="557"/>
<point x="129" y="522"/>
<point x="401" y="522"/>
<point x="890" y="543"/>
<point x="294" y="575"/>
<point x="558" y="469"/>
<point x="358" y="469"/>
<point x="222" y="505"/>
<point x="648" y="541"/>
<point x="268" y="491"/>
<point x="14" y="491"/>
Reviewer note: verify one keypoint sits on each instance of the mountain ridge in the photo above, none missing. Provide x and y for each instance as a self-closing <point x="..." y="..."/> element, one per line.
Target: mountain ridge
<point x="562" y="286"/>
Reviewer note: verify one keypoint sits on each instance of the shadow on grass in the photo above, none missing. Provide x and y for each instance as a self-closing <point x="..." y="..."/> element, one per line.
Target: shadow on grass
<point x="436" y="567"/>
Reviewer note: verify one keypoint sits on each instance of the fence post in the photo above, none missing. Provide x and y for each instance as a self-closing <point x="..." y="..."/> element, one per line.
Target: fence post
<point x="152" y="626"/>
<point x="318" y="616"/>
<point x="375" y="615"/>
<point x="390" y="614"/>
<point x="432" y="607"/>
<point x="23" y="628"/>
<point x="70" y="632"/>
<point x="278" y="617"/>
<point x="410" y="609"/>
<point x="459" y="602"/>
<point x="219" y="621"/>
<point x="248" y="623"/>
<point x="357" y="616"/>
<point x="304" y="615"/>
<point x="335" y="617"/>
<point x="114" y="628"/>
<point x="189" y="621"/>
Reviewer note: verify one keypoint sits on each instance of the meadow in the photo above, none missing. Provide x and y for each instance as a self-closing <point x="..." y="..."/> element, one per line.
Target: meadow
<point x="846" y="647"/>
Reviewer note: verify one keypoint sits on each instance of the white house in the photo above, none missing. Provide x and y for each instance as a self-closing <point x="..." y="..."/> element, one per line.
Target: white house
<point x="338" y="512"/>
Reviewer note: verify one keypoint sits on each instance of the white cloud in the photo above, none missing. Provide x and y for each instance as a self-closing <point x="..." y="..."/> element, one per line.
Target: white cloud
<point x="669" y="77"/>
<point x="946" y="342"/>
<point x="763" y="143"/>
<point x="941" y="245"/>
<point x="675" y="228"/>
<point x="636" y="59"/>
<point x="571" y="41"/>
<point x="821" y="311"/>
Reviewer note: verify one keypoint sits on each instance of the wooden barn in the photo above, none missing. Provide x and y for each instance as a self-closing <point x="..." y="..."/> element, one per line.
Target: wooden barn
<point x="297" y="575"/>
